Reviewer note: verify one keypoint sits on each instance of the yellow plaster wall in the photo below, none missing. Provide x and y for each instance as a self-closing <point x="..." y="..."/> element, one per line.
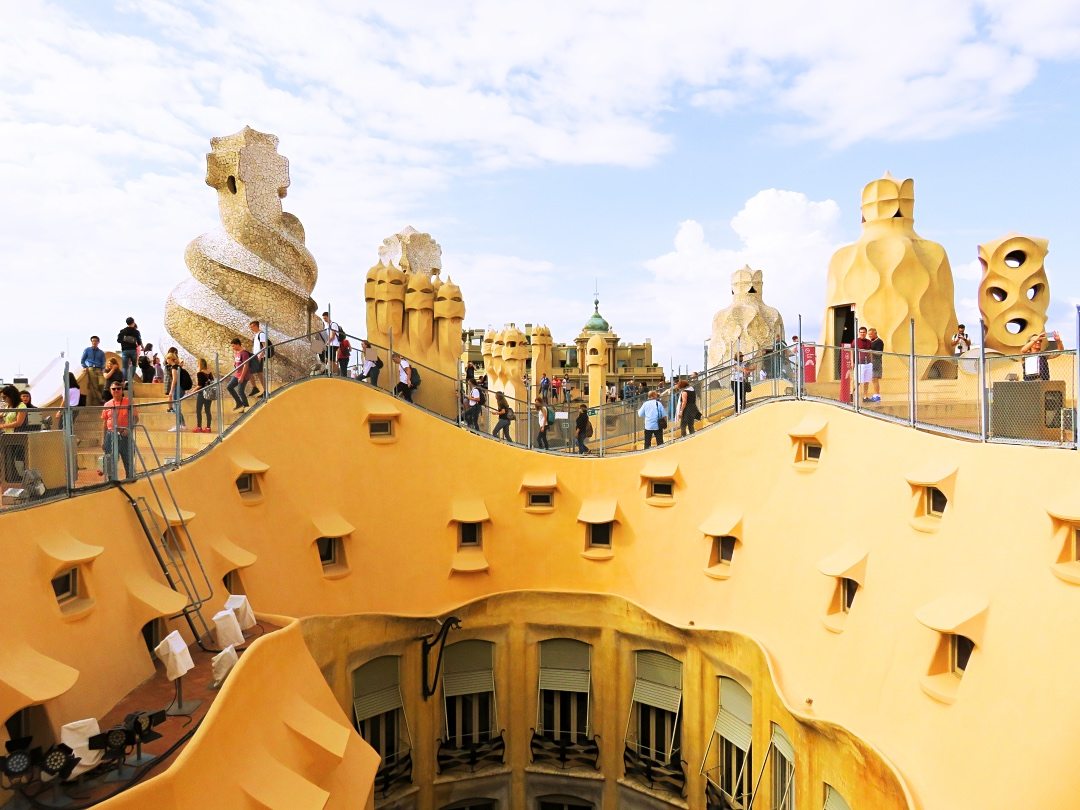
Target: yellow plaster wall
<point x="996" y="541"/>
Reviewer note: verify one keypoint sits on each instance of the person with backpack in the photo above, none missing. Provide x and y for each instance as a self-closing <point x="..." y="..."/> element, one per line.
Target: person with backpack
<point x="505" y="414"/>
<point x="207" y="394"/>
<point x="344" y="353"/>
<point x="404" y="388"/>
<point x="240" y="376"/>
<point x="545" y="415"/>
<point x="655" y="420"/>
<point x="474" y="402"/>
<point x="583" y="429"/>
<point x="181" y="384"/>
<point x="130" y="340"/>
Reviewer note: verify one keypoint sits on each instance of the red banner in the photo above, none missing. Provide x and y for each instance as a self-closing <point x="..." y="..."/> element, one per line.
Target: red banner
<point x="809" y="362"/>
<point x="846" y="364"/>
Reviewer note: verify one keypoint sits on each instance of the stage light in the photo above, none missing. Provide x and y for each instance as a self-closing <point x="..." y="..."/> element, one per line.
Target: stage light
<point x="19" y="762"/>
<point x="115" y="743"/>
<point x="59" y="761"/>
<point x="141" y="724"/>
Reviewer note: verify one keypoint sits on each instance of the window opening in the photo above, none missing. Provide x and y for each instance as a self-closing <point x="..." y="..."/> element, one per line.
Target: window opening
<point x="936" y="501"/>
<point x="470" y="534"/>
<point x="600" y="535"/>
<point x="66" y="585"/>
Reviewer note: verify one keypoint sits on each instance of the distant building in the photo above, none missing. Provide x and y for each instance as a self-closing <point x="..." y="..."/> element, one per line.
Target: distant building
<point x="626" y="362"/>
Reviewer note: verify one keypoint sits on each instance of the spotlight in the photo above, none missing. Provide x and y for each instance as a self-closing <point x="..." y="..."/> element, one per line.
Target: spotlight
<point x="115" y="743"/>
<point x="141" y="724"/>
<point x="58" y="762"/>
<point x="19" y="762"/>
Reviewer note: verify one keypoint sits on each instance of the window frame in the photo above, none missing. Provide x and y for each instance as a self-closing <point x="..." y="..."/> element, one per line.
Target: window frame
<point x="531" y="495"/>
<point x="476" y="528"/>
<point x="381" y="428"/>
<point x="960" y="649"/>
<point x="73" y="591"/>
<point x="609" y="527"/>
<point x="849" y="588"/>
<point x="668" y="483"/>
<point x="929" y="505"/>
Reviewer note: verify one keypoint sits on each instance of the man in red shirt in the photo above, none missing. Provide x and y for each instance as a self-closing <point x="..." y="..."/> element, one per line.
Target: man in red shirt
<point x="117" y="418"/>
<point x="863" y="363"/>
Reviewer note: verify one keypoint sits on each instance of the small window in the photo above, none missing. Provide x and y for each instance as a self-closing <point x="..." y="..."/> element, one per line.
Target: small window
<point x="380" y="428"/>
<point x="723" y="550"/>
<point x="600" y="535"/>
<point x="470" y="534"/>
<point x="66" y="586"/>
<point x="960" y="649"/>
<point x="541" y="499"/>
<point x="232" y="582"/>
<point x="848" y="589"/>
<point x="661" y="489"/>
<point x="174" y="546"/>
<point x="1076" y="543"/>
<point x="329" y="551"/>
<point x="935" y="502"/>
<point x="245" y="484"/>
<point x="811" y="451"/>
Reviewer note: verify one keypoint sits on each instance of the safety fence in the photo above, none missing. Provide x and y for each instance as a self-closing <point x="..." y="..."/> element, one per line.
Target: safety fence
<point x="50" y="453"/>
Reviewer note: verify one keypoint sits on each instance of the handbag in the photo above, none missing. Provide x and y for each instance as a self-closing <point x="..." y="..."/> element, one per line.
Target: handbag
<point x="210" y="392"/>
<point x="661" y="421"/>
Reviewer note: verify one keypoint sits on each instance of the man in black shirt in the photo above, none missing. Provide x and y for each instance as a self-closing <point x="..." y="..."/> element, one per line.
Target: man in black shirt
<point x="130" y="340"/>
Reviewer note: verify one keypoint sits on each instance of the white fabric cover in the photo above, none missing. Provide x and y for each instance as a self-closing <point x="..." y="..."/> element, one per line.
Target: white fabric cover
<point x="222" y="663"/>
<point x="238" y="604"/>
<point x="76" y="736"/>
<point x="227" y="629"/>
<point x="173" y="651"/>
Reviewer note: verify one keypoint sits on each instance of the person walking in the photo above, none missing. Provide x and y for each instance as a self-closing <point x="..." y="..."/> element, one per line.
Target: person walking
<point x="473" y="407"/>
<point x="344" y="353"/>
<point x="93" y="360"/>
<point x="740" y="382"/>
<point x="582" y="429"/>
<point x="505" y="416"/>
<point x="117" y="418"/>
<point x="258" y="358"/>
<point x="240" y="375"/>
<point x="655" y="420"/>
<point x="176" y="391"/>
<point x="404" y="386"/>
<point x="205" y="395"/>
<point x="130" y="340"/>
<point x="544" y="413"/>
<point x="330" y="337"/>
<point x="688" y="412"/>
<point x="865" y="367"/>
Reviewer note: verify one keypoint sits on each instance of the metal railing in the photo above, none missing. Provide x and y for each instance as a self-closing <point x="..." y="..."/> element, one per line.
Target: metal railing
<point x="1021" y="399"/>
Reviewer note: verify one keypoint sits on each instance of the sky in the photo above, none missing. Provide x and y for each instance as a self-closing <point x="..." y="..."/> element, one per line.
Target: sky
<point x="644" y="149"/>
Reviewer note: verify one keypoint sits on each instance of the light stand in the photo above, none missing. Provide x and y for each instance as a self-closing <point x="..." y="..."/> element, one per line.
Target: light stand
<point x="178" y="708"/>
<point x="141" y="724"/>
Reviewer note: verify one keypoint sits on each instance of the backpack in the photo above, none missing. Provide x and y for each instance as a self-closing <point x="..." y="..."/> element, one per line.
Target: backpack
<point x="550" y="415"/>
<point x="588" y="430"/>
<point x="127" y="341"/>
<point x="185" y="379"/>
<point x="268" y="349"/>
<point x="414" y="378"/>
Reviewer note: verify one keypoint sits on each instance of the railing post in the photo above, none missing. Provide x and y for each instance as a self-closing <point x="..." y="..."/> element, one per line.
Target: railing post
<point x="603" y="433"/>
<point x="179" y="403"/>
<point x="1076" y="381"/>
<point x="71" y="461"/>
<point x="799" y="392"/>
<point x="855" y="367"/>
<point x="459" y="388"/>
<point x="984" y="392"/>
<point x="911" y="373"/>
<point x="220" y="396"/>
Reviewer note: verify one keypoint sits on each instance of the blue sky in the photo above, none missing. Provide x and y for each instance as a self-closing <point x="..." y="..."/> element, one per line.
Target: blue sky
<point x="651" y="148"/>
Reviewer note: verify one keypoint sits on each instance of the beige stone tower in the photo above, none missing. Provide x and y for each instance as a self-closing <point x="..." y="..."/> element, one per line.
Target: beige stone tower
<point x="595" y="364"/>
<point x="515" y="366"/>
<point x="1014" y="291"/>
<point x="411" y="308"/>
<point x="487" y="354"/>
<point x="541" y="358"/>
<point x="255" y="267"/>
<point x="889" y="276"/>
<point x="748" y="324"/>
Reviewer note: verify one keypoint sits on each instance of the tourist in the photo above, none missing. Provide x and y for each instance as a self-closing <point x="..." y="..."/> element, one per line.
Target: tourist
<point x="93" y="360"/>
<point x="146" y="368"/>
<point x="862" y="361"/>
<point x="473" y="406"/>
<point x="687" y="411"/>
<point x="652" y="412"/>
<point x="130" y="340"/>
<point x="159" y="372"/>
<point x="543" y="413"/>
<point x="258" y="358"/>
<point x="566" y="388"/>
<point x="75" y="398"/>
<point x="329" y="336"/>
<point x="176" y="391"/>
<point x="505" y="416"/>
<point x="117" y="417"/>
<point x="112" y="374"/>
<point x="545" y="387"/>
<point x="960" y="342"/>
<point x="877" y="346"/>
<point x="582" y="429"/>
<point x="470" y="373"/>
<point x="372" y="364"/>
<point x="172" y="359"/>
<point x="404" y="386"/>
<point x="13" y="420"/>
<point x="205" y="395"/>
<point x="556" y="388"/>
<point x="344" y="353"/>
<point x="240" y="375"/>
<point x="1037" y="367"/>
<point x="740" y="382"/>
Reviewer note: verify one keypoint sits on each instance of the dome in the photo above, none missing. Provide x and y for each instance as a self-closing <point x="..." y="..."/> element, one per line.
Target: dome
<point x="596" y="322"/>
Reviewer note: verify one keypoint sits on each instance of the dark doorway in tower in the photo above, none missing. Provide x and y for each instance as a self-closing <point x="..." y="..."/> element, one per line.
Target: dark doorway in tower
<point x="843" y="330"/>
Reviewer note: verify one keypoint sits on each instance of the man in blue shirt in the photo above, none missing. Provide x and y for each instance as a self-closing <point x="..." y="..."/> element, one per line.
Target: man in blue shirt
<point x="652" y="411"/>
<point x="93" y="360"/>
